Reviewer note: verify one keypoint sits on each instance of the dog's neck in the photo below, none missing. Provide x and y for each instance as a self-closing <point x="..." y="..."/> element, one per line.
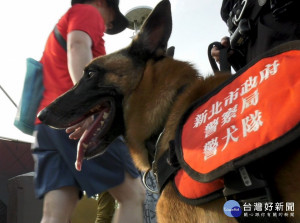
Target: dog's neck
<point x="152" y="141"/>
<point x="148" y="107"/>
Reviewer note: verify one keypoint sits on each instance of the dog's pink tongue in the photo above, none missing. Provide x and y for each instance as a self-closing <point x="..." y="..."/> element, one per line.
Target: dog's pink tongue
<point x="81" y="147"/>
<point x="85" y="139"/>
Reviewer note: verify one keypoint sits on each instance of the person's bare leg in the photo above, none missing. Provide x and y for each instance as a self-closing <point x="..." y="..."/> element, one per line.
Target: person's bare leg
<point x="59" y="205"/>
<point x="130" y="196"/>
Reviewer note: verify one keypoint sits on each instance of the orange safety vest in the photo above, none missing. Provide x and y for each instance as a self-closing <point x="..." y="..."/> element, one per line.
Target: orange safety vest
<point x="250" y="116"/>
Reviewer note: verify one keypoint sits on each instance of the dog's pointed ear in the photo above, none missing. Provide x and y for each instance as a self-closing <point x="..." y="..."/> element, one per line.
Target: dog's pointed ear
<point x="155" y="32"/>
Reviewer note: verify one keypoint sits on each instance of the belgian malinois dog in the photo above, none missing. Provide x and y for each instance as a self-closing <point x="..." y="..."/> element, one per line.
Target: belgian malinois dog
<point x="139" y="92"/>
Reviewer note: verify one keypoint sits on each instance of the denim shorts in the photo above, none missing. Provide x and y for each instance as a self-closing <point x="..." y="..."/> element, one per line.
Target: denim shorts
<point x="55" y="155"/>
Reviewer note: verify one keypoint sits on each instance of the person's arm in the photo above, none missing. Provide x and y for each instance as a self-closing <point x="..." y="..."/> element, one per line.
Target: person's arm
<point x="79" y="52"/>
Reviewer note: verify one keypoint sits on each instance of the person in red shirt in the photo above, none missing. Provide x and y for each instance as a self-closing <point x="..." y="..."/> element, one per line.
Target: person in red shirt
<point x="56" y="179"/>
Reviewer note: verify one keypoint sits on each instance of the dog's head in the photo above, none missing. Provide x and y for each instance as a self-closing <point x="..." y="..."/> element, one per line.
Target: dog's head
<point x="108" y="81"/>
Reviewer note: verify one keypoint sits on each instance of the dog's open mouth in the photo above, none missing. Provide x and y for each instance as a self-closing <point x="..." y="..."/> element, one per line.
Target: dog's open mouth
<point x="93" y="142"/>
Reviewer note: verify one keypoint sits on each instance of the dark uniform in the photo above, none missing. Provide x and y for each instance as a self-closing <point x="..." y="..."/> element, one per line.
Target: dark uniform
<point x="277" y="22"/>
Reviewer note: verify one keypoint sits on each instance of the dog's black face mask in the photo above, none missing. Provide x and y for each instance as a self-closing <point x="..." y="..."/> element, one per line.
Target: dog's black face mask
<point x="89" y="97"/>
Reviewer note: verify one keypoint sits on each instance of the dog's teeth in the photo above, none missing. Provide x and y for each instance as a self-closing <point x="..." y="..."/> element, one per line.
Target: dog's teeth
<point x="102" y="123"/>
<point x="98" y="129"/>
<point x="85" y="145"/>
<point x="105" y="115"/>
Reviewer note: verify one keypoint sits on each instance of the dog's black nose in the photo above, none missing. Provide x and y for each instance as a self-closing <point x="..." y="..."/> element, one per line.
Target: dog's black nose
<point x="42" y="115"/>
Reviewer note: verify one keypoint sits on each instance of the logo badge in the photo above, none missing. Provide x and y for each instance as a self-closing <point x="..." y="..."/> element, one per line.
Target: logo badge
<point x="232" y="208"/>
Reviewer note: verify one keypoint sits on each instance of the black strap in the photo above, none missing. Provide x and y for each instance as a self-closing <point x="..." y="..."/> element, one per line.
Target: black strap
<point x="165" y="169"/>
<point x="224" y="64"/>
<point x="250" y="185"/>
<point x="60" y="39"/>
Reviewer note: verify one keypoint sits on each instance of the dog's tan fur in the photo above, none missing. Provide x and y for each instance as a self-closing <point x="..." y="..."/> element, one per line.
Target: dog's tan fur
<point x="160" y="83"/>
<point x="149" y="84"/>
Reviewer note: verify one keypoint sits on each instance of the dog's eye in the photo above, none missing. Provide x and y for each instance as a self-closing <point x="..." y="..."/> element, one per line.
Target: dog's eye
<point x="90" y="74"/>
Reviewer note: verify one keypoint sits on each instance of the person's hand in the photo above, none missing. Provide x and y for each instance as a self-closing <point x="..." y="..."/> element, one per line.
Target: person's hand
<point x="215" y="52"/>
<point x="77" y="130"/>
